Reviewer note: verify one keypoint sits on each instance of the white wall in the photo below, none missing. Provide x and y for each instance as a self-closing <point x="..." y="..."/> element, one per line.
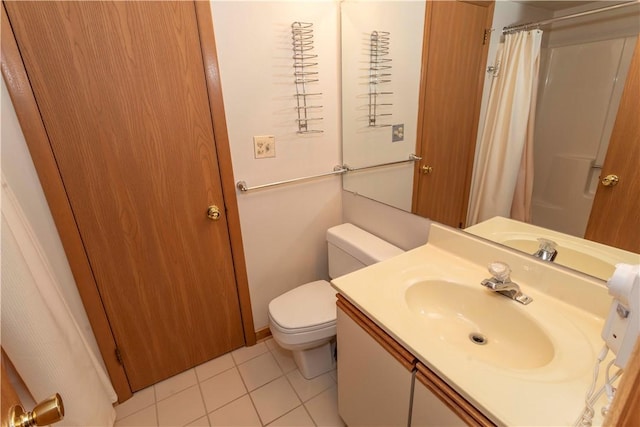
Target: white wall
<point x="617" y="23"/>
<point x="283" y="227"/>
<point x="364" y="145"/>
<point x="400" y="228"/>
<point x="20" y="174"/>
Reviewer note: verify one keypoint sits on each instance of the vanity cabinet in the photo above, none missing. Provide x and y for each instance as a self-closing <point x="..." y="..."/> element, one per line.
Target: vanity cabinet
<point x="380" y="383"/>
<point x="374" y="372"/>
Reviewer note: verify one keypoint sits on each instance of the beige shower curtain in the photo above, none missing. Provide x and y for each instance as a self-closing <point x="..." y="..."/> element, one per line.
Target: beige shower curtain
<point x="39" y="333"/>
<point x="503" y="177"/>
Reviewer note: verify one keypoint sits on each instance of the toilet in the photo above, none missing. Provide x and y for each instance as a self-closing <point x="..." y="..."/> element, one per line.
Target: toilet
<point x="303" y="319"/>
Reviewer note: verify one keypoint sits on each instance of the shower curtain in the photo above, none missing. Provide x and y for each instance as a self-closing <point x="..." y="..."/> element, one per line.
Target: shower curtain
<point x="39" y="333"/>
<point x="503" y="177"/>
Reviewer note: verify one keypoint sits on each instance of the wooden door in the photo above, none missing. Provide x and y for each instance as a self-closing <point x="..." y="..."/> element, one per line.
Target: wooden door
<point x="122" y="93"/>
<point x="452" y="78"/>
<point x="615" y="214"/>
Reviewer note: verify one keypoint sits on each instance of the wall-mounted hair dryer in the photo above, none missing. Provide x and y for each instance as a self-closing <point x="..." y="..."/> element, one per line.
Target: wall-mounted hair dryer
<point x="622" y="327"/>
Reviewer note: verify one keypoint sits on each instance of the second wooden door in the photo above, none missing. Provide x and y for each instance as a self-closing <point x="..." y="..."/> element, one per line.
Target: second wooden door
<point x="455" y="55"/>
<point x="122" y="93"/>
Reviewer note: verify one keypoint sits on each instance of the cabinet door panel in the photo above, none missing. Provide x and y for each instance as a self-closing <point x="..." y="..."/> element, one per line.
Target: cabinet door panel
<point x="374" y="388"/>
<point x="429" y="411"/>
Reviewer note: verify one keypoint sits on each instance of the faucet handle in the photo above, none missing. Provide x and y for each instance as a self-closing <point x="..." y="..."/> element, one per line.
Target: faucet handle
<point x="547" y="245"/>
<point x="500" y="271"/>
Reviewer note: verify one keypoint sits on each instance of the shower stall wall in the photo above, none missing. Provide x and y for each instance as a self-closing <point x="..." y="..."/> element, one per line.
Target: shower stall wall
<point x="583" y="71"/>
<point x="579" y="92"/>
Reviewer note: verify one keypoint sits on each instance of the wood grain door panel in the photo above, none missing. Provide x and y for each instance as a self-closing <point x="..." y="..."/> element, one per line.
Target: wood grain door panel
<point x="615" y="214"/>
<point x="122" y="92"/>
<point x="452" y="85"/>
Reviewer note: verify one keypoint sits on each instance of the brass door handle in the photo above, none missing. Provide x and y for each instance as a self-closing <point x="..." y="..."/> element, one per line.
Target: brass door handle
<point x="49" y="411"/>
<point x="213" y="213"/>
<point x="427" y="170"/>
<point x="610" y="180"/>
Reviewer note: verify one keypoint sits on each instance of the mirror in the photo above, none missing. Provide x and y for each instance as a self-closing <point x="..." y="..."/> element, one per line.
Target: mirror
<point x="371" y="91"/>
<point x="585" y="97"/>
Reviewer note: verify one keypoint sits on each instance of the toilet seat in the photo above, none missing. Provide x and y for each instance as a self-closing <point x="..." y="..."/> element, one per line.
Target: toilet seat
<point x="308" y="307"/>
<point x="305" y="316"/>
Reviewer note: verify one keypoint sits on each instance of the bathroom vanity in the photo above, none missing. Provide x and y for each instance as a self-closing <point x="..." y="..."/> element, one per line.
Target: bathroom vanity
<point x="381" y="383"/>
<point x="422" y="343"/>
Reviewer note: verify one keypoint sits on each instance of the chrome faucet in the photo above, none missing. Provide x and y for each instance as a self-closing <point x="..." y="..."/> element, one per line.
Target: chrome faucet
<point x="547" y="250"/>
<point x="501" y="283"/>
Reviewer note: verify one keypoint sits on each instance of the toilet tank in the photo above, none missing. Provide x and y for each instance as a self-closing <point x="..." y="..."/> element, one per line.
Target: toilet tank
<point x="351" y="248"/>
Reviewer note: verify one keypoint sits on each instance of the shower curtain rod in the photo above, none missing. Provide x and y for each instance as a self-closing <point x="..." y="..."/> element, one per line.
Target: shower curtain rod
<point x="520" y="27"/>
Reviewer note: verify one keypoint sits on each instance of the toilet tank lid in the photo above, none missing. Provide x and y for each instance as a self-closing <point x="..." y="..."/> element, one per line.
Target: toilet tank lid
<point x="360" y="244"/>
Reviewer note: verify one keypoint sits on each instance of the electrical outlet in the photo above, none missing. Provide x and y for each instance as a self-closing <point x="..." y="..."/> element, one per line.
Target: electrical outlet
<point x="264" y="146"/>
<point x="397" y="133"/>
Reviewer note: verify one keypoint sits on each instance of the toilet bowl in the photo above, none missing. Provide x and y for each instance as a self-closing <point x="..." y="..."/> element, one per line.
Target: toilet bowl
<point x="303" y="319"/>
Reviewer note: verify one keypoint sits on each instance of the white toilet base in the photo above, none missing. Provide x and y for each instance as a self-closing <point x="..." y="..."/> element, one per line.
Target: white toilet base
<point x="314" y="361"/>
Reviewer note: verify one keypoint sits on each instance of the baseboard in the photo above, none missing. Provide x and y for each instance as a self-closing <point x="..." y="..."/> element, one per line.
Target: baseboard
<point x="262" y="334"/>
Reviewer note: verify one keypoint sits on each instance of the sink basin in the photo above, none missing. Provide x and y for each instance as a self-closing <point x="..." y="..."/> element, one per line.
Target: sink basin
<point x="485" y="325"/>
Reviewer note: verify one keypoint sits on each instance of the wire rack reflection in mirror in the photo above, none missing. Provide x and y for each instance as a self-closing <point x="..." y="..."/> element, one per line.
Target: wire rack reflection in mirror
<point x="379" y="75"/>
<point x="304" y="71"/>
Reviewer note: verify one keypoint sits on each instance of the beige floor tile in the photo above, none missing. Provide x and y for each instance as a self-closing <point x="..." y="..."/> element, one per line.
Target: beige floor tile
<point x="177" y="383"/>
<point x="239" y="413"/>
<point x="143" y="418"/>
<point x="200" y="422"/>
<point x="181" y="408"/>
<point x="296" y="418"/>
<point x="306" y="389"/>
<point x="214" y="367"/>
<point x="270" y="342"/>
<point x="140" y="400"/>
<point x="222" y="389"/>
<point x="283" y="357"/>
<point x="274" y="399"/>
<point x="243" y="354"/>
<point x="324" y="409"/>
<point x="259" y="371"/>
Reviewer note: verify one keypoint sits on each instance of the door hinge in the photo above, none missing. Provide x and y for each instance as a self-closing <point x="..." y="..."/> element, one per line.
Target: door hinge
<point x="487" y="33"/>
<point x="119" y="356"/>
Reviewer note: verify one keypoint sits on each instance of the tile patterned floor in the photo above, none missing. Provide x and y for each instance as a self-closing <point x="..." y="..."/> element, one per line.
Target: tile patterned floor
<point x="252" y="386"/>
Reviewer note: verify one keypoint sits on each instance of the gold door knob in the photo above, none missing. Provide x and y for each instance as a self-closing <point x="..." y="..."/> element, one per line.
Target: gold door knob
<point x="213" y="213"/>
<point x="610" y="180"/>
<point x="426" y="170"/>
<point x="49" y="411"/>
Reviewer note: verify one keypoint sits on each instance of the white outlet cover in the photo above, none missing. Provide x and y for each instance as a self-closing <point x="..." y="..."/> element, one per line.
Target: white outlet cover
<point x="264" y="147"/>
